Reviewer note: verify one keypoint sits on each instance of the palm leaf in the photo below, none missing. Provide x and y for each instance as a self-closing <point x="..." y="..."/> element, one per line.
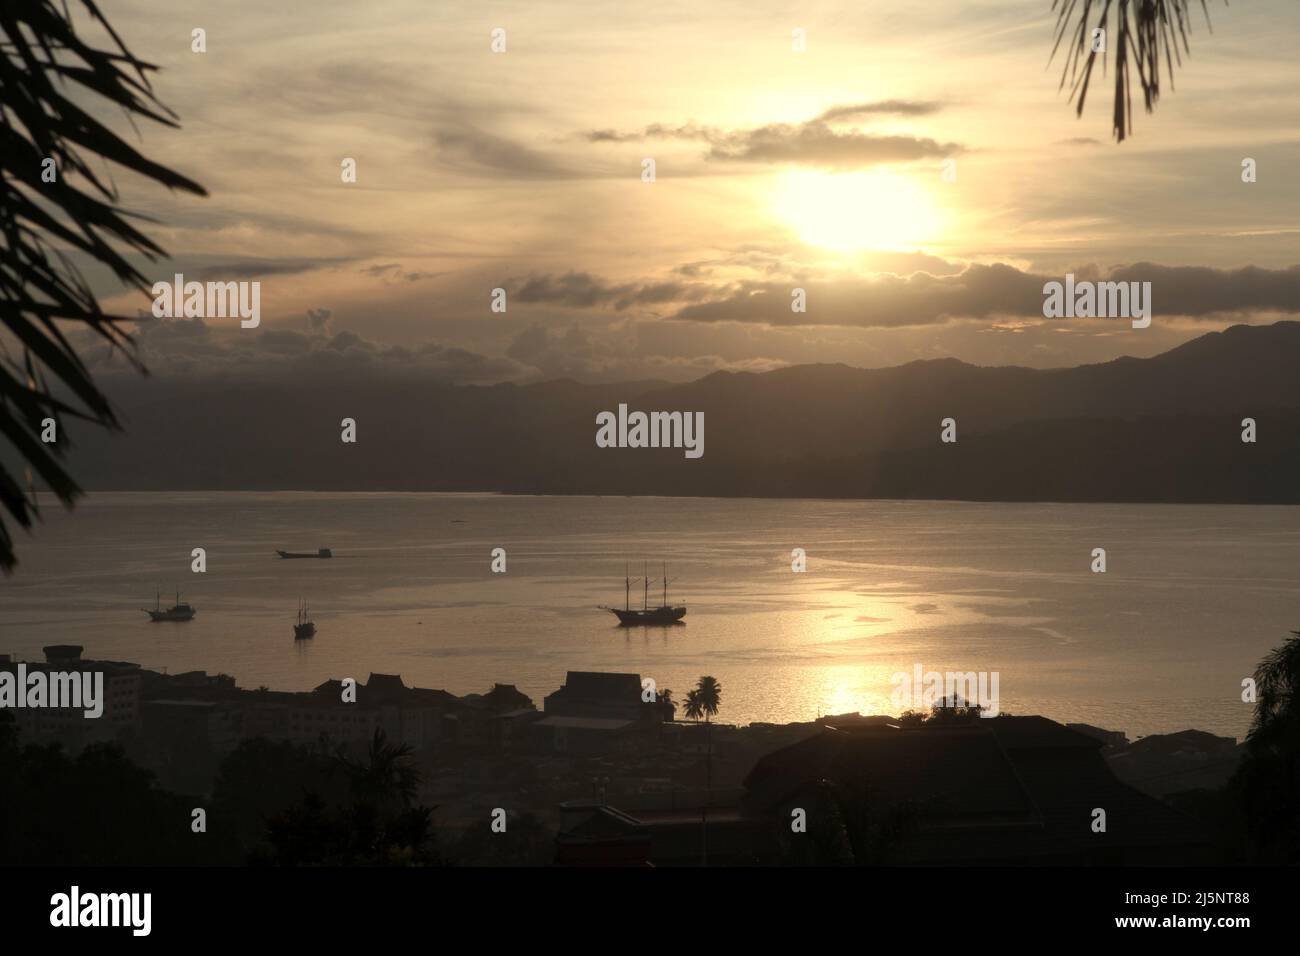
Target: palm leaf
<point x="42" y="61"/>
<point x="1142" y="33"/>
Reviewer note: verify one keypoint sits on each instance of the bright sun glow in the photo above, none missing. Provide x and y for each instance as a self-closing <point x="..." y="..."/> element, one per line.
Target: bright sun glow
<point x="844" y="212"/>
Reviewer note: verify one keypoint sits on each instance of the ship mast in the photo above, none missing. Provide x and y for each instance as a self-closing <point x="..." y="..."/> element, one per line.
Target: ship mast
<point x="665" y="584"/>
<point x="627" y="588"/>
<point x="645" y="599"/>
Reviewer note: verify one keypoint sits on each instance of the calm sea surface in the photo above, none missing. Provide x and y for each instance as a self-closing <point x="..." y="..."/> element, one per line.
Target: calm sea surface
<point x="1193" y="596"/>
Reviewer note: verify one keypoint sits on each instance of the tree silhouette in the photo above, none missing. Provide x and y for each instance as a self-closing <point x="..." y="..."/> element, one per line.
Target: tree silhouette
<point x="377" y="823"/>
<point x="92" y="808"/>
<point x="710" y="696"/>
<point x="44" y="134"/>
<point x="262" y="778"/>
<point x="693" y="709"/>
<point x="386" y="779"/>
<point x="1268" y="780"/>
<point x="1142" y="33"/>
<point x="704" y="701"/>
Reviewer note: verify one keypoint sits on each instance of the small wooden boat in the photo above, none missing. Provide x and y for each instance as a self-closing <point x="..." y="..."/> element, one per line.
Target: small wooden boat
<point x="304" y="628"/>
<point x="177" y="612"/>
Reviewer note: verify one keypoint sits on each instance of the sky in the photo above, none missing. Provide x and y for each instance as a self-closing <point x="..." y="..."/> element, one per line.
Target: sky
<point x="774" y="169"/>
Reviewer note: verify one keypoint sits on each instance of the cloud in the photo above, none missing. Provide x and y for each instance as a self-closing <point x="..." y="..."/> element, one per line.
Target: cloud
<point x="190" y="348"/>
<point x="1200" y="291"/>
<point x="983" y="291"/>
<point x="655" y="131"/>
<point x="902" y="289"/>
<point x="469" y="149"/>
<point x="891" y="107"/>
<point x="582" y="290"/>
<point x="531" y="342"/>
<point x="393" y="270"/>
<point x="816" y="142"/>
<point x="880" y="301"/>
<point x="239" y="268"/>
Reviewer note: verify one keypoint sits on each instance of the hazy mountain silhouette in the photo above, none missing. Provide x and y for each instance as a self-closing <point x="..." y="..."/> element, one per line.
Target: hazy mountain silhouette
<point x="1160" y="429"/>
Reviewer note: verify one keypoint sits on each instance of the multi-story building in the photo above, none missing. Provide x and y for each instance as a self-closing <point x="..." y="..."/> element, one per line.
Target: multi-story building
<point x="120" y="716"/>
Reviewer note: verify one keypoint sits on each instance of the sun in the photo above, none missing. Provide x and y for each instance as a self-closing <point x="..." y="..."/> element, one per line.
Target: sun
<point x="846" y="212"/>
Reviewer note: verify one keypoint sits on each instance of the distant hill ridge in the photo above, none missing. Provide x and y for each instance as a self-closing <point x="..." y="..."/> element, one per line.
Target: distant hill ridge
<point x="1165" y="428"/>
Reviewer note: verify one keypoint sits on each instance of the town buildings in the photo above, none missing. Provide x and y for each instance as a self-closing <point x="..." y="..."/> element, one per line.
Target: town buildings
<point x="619" y="785"/>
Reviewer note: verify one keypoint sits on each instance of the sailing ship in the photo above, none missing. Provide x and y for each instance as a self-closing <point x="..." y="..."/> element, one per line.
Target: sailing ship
<point x="177" y="612"/>
<point x="320" y="553"/>
<point x="304" y="628"/>
<point x="631" y="617"/>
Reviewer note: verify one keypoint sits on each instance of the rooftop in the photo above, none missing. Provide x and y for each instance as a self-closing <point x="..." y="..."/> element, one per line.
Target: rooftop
<point x="584" y="723"/>
<point x="600" y="684"/>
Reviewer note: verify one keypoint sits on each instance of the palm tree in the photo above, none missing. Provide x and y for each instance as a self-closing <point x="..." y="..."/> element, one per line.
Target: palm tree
<point x="1268" y="780"/>
<point x="387" y="778"/>
<point x="1277" y="681"/>
<point x="43" y="133"/>
<point x="694" y="709"/>
<point x="1146" y="31"/>
<point x="704" y="701"/>
<point x="710" y="692"/>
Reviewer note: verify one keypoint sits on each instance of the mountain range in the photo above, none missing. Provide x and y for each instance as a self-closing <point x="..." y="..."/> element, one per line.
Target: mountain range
<point x="1160" y="429"/>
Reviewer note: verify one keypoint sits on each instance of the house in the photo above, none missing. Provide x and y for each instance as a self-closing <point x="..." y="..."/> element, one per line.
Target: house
<point x="510" y="728"/>
<point x="502" y="698"/>
<point x="583" y="736"/>
<point x="602" y="696"/>
<point x="669" y="830"/>
<point x="1165" y="764"/>
<point x="120" y="719"/>
<point x="206" y="725"/>
<point x="410" y="715"/>
<point x="1002" y="790"/>
<point x="592" y="834"/>
<point x="183" y="741"/>
<point x="1111" y="738"/>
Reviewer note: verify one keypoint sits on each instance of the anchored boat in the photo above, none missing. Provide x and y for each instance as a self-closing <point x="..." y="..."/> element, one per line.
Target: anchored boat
<point x="177" y="612"/>
<point x="631" y="617"/>
<point x="321" y="553"/>
<point x="304" y="628"/>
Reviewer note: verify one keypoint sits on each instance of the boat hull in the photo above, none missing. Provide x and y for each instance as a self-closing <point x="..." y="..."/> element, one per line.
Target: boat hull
<point x="322" y="553"/>
<point x="303" y="631"/>
<point x="156" y="616"/>
<point x="653" y="616"/>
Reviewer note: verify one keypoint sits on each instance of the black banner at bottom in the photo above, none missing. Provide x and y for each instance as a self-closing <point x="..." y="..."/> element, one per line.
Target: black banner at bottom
<point x="334" y="905"/>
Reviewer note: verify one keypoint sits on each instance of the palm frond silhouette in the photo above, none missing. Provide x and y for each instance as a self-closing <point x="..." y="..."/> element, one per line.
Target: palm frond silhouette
<point x="1141" y="33"/>
<point x="45" y="135"/>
